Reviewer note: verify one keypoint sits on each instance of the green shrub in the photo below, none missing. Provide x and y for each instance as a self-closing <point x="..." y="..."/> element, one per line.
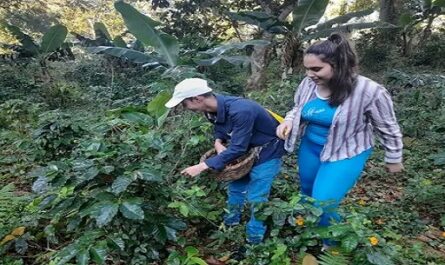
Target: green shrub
<point x="430" y="52"/>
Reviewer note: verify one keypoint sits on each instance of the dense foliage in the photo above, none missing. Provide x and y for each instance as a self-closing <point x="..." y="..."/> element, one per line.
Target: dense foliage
<point x="90" y="157"/>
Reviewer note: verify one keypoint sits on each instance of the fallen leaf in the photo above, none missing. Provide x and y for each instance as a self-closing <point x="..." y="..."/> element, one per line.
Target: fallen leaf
<point x="309" y="260"/>
<point x="18" y="231"/>
<point x="212" y="261"/>
<point x="6" y="239"/>
<point x="224" y="258"/>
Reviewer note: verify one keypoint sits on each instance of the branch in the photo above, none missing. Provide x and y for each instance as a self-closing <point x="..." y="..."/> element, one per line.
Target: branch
<point x="286" y="8"/>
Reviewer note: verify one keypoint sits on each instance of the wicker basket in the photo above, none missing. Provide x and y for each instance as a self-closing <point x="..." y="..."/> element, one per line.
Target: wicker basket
<point x="237" y="169"/>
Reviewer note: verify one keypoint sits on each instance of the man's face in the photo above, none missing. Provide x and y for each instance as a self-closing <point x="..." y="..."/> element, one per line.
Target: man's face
<point x="195" y="104"/>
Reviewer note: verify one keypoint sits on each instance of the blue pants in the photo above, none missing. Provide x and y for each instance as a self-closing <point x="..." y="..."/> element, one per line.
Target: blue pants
<point x="256" y="188"/>
<point x="328" y="182"/>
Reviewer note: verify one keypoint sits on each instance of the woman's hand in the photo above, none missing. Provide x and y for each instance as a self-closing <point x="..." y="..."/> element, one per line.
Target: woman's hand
<point x="394" y="167"/>
<point x="219" y="147"/>
<point x="284" y="129"/>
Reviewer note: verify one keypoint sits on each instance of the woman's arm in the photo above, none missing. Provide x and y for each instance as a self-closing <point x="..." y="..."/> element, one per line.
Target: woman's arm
<point x="384" y="121"/>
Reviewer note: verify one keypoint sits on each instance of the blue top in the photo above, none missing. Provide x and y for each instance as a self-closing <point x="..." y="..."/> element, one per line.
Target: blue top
<point x="246" y="124"/>
<point x="319" y="115"/>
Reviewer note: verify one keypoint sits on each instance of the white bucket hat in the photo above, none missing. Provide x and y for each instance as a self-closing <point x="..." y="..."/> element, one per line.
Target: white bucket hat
<point x="187" y="88"/>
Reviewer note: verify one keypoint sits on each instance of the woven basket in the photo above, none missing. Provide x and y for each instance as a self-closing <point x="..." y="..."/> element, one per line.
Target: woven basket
<point x="237" y="169"/>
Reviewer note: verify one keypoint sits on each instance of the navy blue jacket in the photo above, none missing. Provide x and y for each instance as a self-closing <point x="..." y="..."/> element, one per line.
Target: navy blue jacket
<point x="246" y="124"/>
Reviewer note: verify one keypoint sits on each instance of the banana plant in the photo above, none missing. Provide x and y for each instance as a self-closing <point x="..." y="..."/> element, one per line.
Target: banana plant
<point x="166" y="47"/>
<point x="144" y="29"/>
<point x="52" y="40"/>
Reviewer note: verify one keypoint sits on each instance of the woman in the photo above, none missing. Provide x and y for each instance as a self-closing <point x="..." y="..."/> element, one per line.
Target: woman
<point x="335" y="114"/>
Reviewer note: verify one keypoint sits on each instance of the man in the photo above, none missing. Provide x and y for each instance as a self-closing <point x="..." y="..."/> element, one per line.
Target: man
<point x="245" y="124"/>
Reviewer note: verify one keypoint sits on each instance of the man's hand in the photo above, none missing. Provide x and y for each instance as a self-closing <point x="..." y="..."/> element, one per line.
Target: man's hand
<point x="284" y="129"/>
<point x="219" y="146"/>
<point x="194" y="170"/>
<point x="394" y="167"/>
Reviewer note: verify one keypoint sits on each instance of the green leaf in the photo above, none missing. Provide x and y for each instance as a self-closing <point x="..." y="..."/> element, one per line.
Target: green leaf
<point x="118" y="242"/>
<point x="378" y="258"/>
<point x="120" y="184"/>
<point x="131" y="209"/>
<point x="99" y="252"/>
<point x="83" y="257"/>
<point x="118" y="41"/>
<point x="339" y="229"/>
<point x="198" y="261"/>
<point x="439" y="159"/>
<point x="157" y="108"/>
<point x="54" y="38"/>
<point x="176" y="224"/>
<point x="104" y="212"/>
<point x="100" y="30"/>
<point x="405" y="19"/>
<point x="67" y="253"/>
<point x="124" y="53"/>
<point x="171" y="233"/>
<point x="159" y="233"/>
<point x="138" y="117"/>
<point x="349" y="243"/>
<point x="148" y="174"/>
<point x="191" y="251"/>
<point x="322" y="231"/>
<point x="308" y="13"/>
<point x="440" y="3"/>
<point x="143" y="28"/>
<point x="184" y="209"/>
<point x="91" y="173"/>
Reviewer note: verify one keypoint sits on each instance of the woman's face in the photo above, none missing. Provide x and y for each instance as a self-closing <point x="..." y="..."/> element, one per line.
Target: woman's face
<point x="319" y="71"/>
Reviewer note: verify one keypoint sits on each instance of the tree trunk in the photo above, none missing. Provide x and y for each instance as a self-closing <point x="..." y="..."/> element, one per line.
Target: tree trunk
<point x="259" y="60"/>
<point x="260" y="57"/>
<point x="389" y="11"/>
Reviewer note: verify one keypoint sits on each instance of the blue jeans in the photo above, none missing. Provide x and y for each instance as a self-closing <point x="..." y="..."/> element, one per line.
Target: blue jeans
<point x="256" y="188"/>
<point x="328" y="182"/>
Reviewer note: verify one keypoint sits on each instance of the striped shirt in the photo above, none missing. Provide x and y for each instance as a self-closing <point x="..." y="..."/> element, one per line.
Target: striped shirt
<point x="368" y="108"/>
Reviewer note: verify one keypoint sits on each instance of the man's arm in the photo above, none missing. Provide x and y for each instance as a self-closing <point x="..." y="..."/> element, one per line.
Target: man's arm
<point x="243" y="122"/>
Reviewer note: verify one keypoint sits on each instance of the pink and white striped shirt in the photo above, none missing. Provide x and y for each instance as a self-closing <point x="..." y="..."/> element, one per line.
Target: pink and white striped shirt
<point x="368" y="108"/>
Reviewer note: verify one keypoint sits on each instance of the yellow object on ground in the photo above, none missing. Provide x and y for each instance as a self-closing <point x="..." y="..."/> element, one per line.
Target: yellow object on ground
<point x="309" y="260"/>
<point x="276" y="116"/>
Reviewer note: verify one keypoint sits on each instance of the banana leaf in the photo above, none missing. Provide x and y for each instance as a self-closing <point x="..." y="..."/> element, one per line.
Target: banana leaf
<point x="347" y="28"/>
<point x="100" y="30"/>
<point x="53" y="38"/>
<point x="308" y="13"/>
<point x="219" y="50"/>
<point x="344" y="19"/>
<point x="123" y="53"/>
<point x="143" y="28"/>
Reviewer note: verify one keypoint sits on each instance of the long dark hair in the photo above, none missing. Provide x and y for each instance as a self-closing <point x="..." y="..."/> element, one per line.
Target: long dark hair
<point x="337" y="52"/>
